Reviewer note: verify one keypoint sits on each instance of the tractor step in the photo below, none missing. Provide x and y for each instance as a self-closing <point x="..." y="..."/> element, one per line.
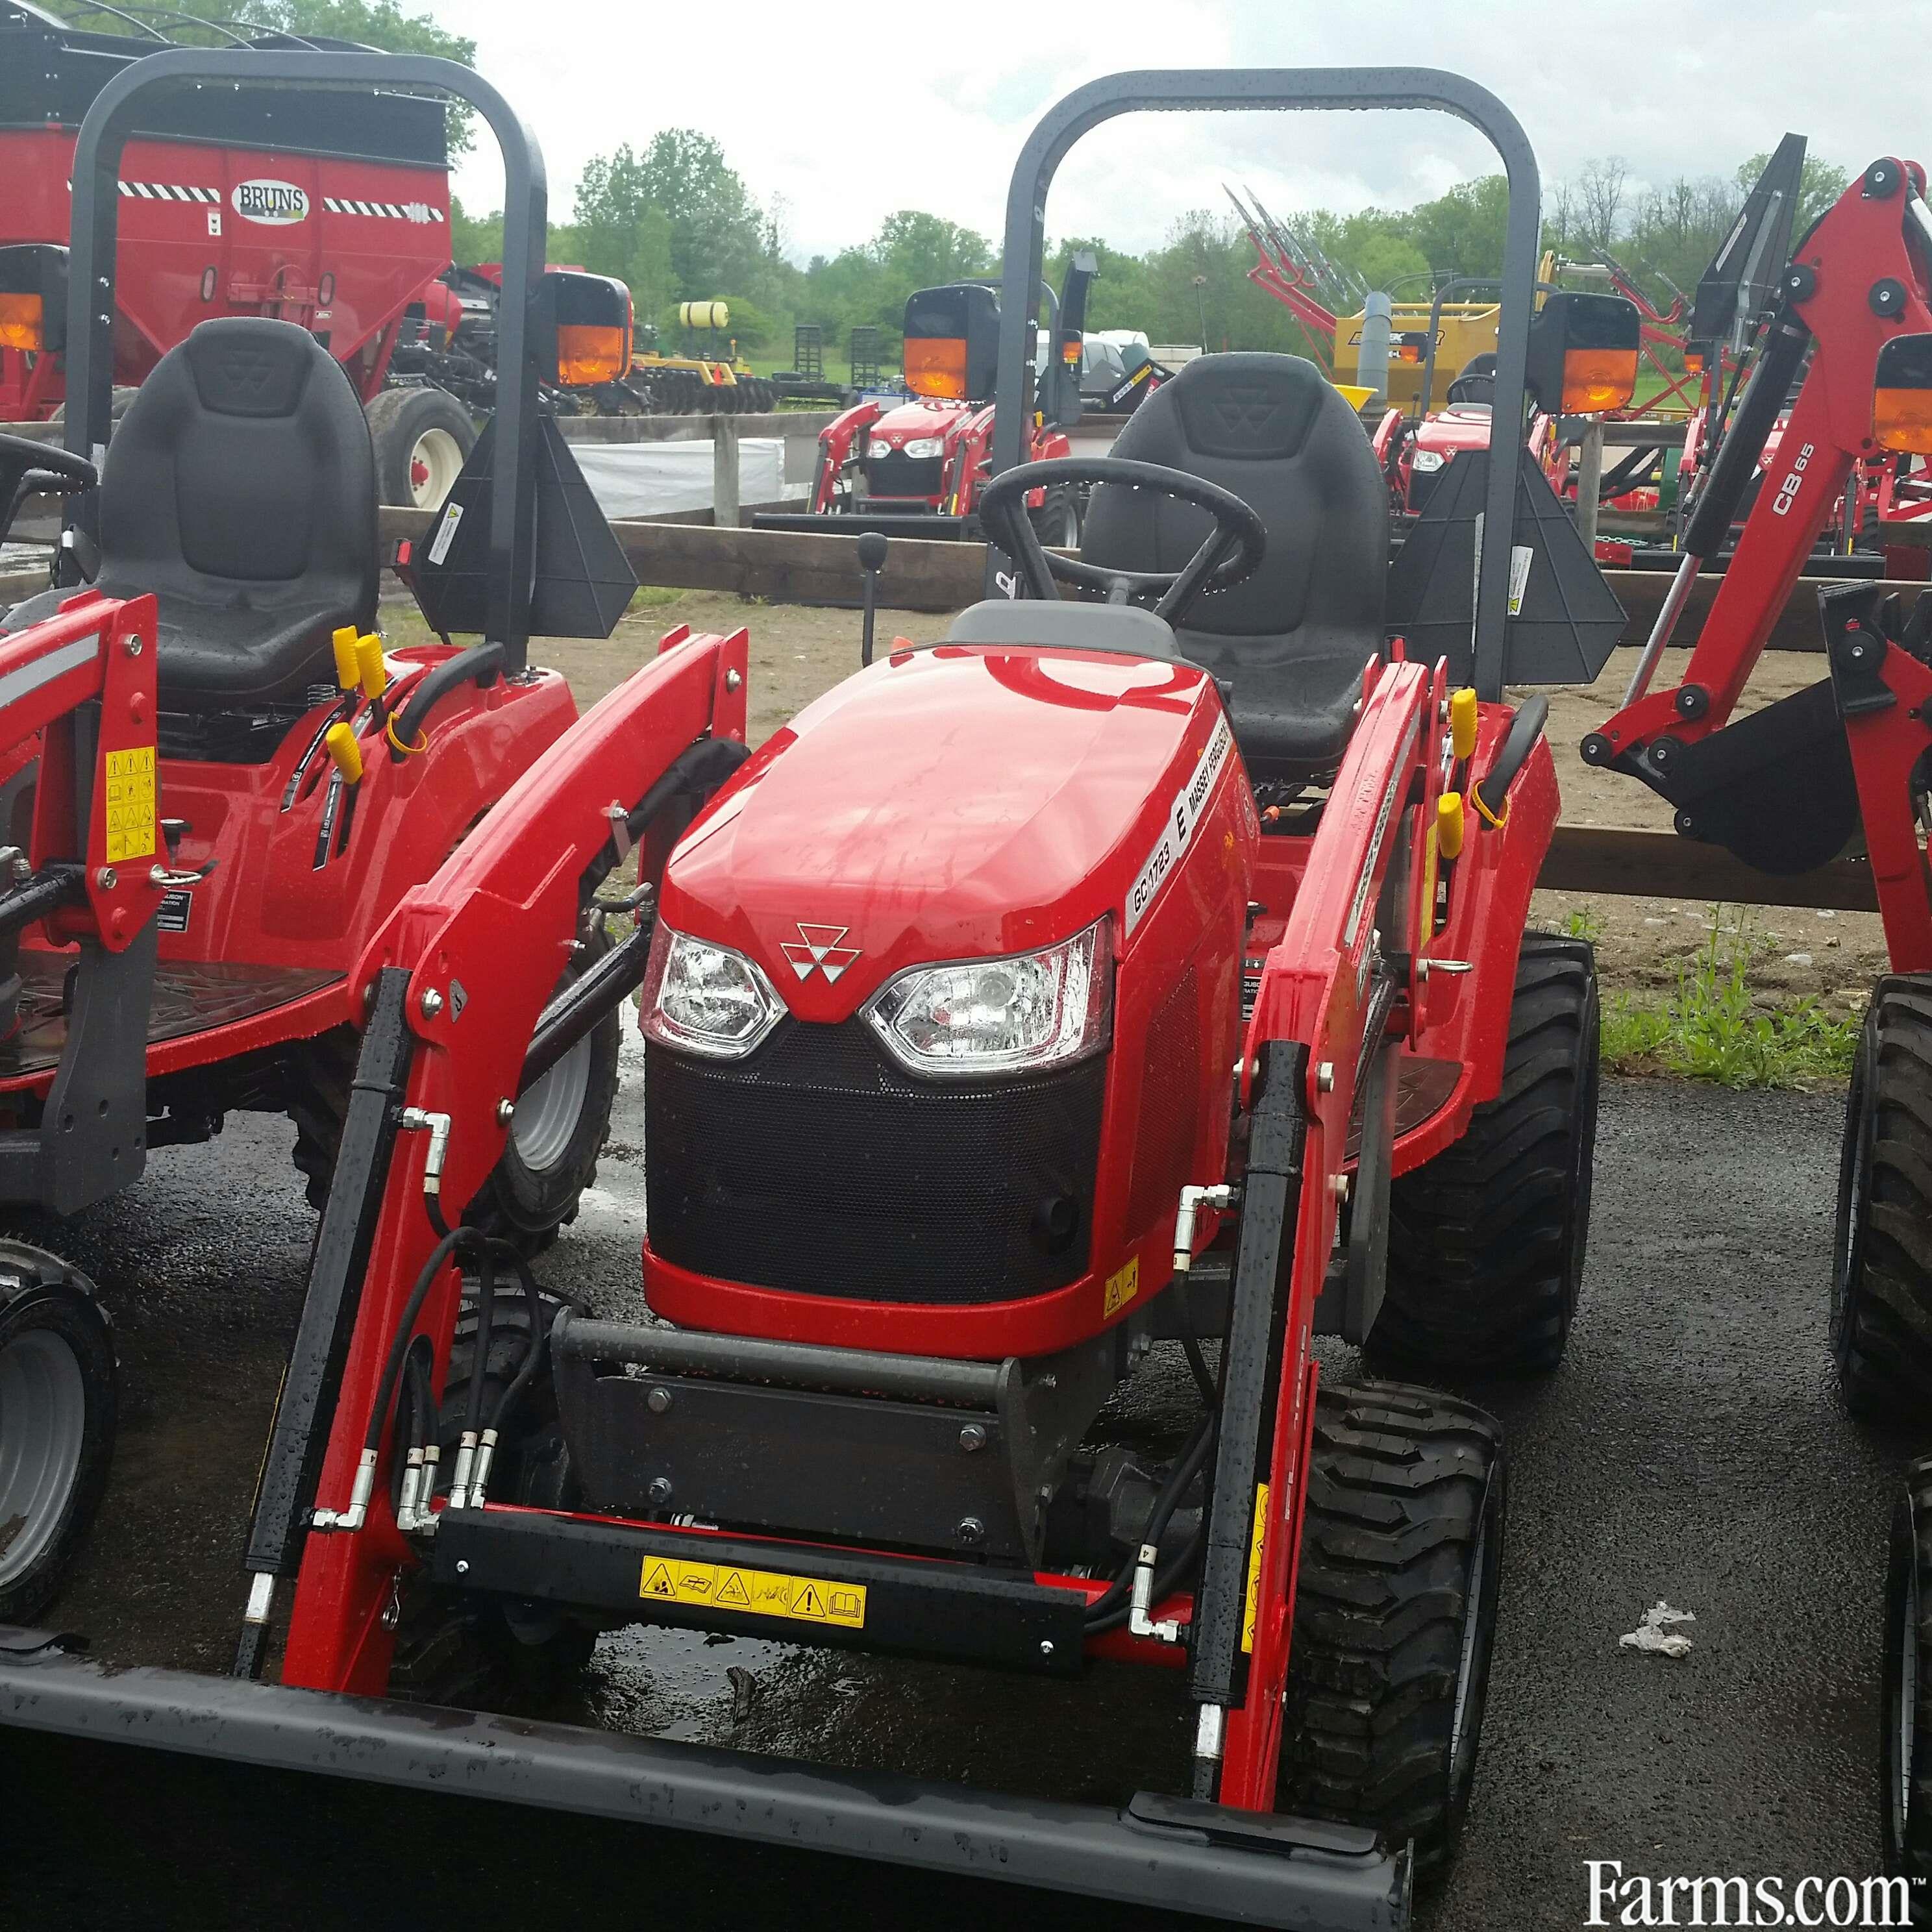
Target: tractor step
<point x="698" y="1579"/>
<point x="1163" y="1854"/>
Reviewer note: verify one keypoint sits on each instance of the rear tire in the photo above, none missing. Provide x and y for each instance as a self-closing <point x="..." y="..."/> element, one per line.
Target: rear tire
<point x="422" y="437"/>
<point x="1395" y="1614"/>
<point x="454" y="1649"/>
<point x="58" y="1403"/>
<point x="1905" y="1711"/>
<point x="1881" y="1246"/>
<point x="1487" y="1241"/>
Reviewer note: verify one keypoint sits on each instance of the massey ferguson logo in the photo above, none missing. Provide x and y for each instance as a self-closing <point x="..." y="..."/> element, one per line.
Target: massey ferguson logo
<point x="817" y="948"/>
<point x="275" y="204"/>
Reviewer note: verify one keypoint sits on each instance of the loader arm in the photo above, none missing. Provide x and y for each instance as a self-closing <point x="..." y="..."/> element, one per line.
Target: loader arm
<point x="454" y="1012"/>
<point x="1860" y="278"/>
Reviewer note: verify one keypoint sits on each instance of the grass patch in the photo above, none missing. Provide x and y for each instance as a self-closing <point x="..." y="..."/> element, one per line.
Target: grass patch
<point x="1710" y="1029"/>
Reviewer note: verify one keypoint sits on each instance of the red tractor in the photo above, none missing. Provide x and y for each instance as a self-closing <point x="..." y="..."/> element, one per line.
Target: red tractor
<point x="294" y="779"/>
<point x="1147" y="968"/>
<point x="919" y="468"/>
<point x="234" y="205"/>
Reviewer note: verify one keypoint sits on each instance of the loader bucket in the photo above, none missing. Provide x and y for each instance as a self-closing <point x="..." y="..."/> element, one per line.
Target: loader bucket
<point x="1170" y="1854"/>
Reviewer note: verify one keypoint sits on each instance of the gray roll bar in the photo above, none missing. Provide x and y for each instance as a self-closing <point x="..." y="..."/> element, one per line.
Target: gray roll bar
<point x="114" y="117"/>
<point x="1168" y="90"/>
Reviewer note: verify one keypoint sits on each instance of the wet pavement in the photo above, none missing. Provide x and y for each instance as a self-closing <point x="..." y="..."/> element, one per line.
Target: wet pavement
<point x="1693" y="1447"/>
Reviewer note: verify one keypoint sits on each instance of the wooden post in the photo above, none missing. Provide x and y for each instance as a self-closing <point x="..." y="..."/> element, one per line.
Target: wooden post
<point x="1589" y="475"/>
<point x="724" y="473"/>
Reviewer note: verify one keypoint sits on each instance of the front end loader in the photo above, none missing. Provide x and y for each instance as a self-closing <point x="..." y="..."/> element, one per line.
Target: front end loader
<point x="1144" y="969"/>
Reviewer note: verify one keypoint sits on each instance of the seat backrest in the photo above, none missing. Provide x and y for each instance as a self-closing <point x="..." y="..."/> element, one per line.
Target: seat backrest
<point x="243" y="476"/>
<point x="1476" y="382"/>
<point x="1274" y="431"/>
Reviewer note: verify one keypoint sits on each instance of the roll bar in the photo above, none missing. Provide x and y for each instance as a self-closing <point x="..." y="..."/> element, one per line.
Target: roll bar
<point x="114" y="117"/>
<point x="1198" y="90"/>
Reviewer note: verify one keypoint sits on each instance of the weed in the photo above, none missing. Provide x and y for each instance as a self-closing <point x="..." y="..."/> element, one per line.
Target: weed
<point x="1582" y="923"/>
<point x="1709" y="1030"/>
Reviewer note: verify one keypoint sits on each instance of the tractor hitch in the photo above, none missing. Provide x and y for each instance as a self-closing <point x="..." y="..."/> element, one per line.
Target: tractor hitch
<point x="1156" y="1852"/>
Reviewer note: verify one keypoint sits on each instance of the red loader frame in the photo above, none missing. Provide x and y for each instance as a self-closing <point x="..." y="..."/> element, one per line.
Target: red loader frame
<point x="1860" y="279"/>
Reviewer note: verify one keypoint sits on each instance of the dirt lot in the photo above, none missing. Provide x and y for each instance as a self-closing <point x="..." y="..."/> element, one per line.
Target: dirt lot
<point x="1642" y="944"/>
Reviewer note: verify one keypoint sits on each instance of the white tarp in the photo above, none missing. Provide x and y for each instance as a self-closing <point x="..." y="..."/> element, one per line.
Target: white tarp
<point x="653" y="479"/>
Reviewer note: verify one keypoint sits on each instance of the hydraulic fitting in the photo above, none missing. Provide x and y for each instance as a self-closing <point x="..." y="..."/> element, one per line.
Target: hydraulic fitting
<point x="417" y="1119"/>
<point x="357" y="1514"/>
<point x="1223" y="1194"/>
<point x="1140" y="1618"/>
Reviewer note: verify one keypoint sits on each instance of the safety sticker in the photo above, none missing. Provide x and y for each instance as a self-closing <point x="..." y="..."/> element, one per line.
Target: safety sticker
<point x="131" y="804"/>
<point x="1189" y="803"/>
<point x="1255" y="1568"/>
<point x="757" y="1593"/>
<point x="1122" y="1286"/>
<point x="445" y="535"/>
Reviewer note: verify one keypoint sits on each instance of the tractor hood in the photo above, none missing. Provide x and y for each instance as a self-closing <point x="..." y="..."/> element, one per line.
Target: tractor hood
<point x="1461" y="426"/>
<point x="959" y="803"/>
<point x="916" y="420"/>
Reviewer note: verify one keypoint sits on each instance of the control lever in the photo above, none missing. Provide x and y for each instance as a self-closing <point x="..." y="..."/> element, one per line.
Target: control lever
<point x="871" y="561"/>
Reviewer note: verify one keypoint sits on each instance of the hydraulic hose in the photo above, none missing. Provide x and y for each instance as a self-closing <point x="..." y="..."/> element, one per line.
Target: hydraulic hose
<point x="486" y="1316"/>
<point x="1114" y="1604"/>
<point x="405" y="1333"/>
<point x="478" y="663"/>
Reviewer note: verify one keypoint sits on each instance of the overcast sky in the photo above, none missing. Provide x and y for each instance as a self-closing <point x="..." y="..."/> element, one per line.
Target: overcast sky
<point x="928" y="107"/>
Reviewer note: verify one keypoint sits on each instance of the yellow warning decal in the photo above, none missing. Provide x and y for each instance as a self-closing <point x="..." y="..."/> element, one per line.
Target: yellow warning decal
<point x="1122" y="1286"/>
<point x="131" y="804"/>
<point x="757" y="1593"/>
<point x="1255" y="1568"/>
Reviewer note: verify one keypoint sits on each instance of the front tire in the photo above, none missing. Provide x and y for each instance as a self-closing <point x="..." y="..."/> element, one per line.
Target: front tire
<point x="453" y="1649"/>
<point x="1487" y="1240"/>
<point x="556" y="1133"/>
<point x="58" y="1402"/>
<point x="1057" y="522"/>
<point x="1905" y="1711"/>
<point x="1395" y="1613"/>
<point x="1882" y="1248"/>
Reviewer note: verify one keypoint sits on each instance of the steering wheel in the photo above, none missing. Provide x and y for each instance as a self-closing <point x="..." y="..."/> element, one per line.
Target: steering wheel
<point x="1232" y="553"/>
<point x="28" y="469"/>
<point x="21" y="457"/>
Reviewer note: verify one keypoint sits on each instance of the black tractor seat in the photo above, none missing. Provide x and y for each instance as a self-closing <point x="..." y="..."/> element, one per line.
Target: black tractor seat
<point x="240" y="488"/>
<point x="1476" y="384"/>
<point x="1291" y="642"/>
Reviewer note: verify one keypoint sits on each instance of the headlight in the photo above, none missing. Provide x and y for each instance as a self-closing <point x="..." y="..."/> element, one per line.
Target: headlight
<point x="998" y="1015"/>
<point x="921" y="447"/>
<point x="705" y="998"/>
<point x="1426" y="459"/>
<point x="877" y="448"/>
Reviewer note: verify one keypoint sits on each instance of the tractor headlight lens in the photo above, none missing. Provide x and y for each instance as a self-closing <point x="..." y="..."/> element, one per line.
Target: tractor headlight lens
<point x="921" y="447"/>
<point x="704" y="998"/>
<point x="1038" y="1009"/>
<point x="1426" y="459"/>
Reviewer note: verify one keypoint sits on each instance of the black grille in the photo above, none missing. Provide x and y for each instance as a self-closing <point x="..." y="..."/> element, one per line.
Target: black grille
<point x="893" y="474"/>
<point x="818" y="1166"/>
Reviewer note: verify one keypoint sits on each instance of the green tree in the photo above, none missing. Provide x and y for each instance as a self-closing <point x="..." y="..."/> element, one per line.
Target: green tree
<point x="1461" y="233"/>
<point x="621" y="230"/>
<point x="916" y="251"/>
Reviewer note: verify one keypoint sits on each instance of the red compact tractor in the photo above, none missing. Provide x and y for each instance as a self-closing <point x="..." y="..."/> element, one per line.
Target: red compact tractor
<point x="919" y="468"/>
<point x="289" y="206"/>
<point x="1843" y="766"/>
<point x="1144" y="968"/>
<point x="294" y="779"/>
